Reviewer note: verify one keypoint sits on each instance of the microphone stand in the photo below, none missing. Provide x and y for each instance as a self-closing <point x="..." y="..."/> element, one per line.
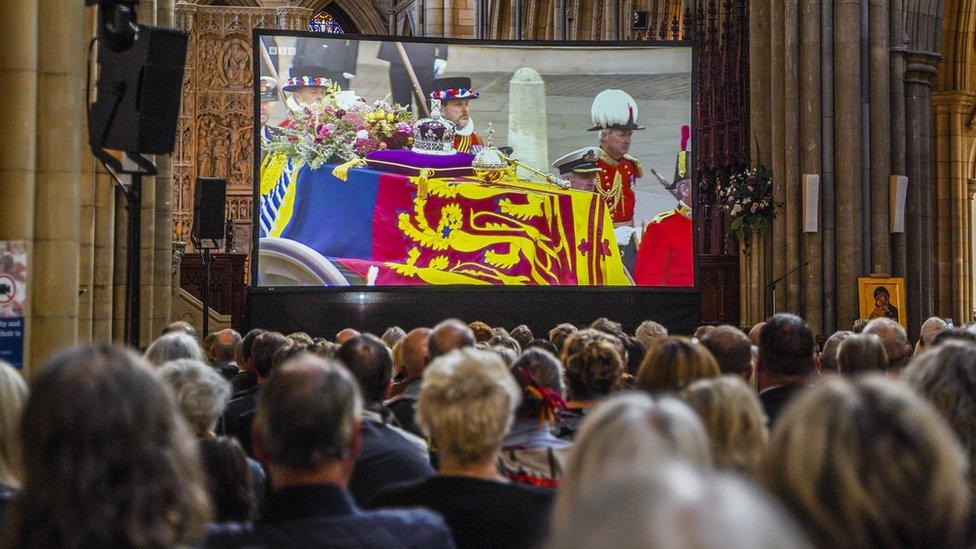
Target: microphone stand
<point x="772" y="285"/>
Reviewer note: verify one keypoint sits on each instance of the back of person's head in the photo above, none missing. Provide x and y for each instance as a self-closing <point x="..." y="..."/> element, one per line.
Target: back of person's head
<point x="859" y="325"/>
<point x="108" y="461"/>
<point x="522" y="334"/>
<point x="734" y="419"/>
<point x="301" y="338"/>
<point x="286" y="352"/>
<point x="629" y="434"/>
<point x="731" y="349"/>
<point x="673" y="364"/>
<point x="201" y="393"/>
<point x="507" y="355"/>
<point x="225" y="344"/>
<point x="865" y="462"/>
<point x="207" y="346"/>
<point x="506" y="341"/>
<point x="448" y="335"/>
<point x="754" y="333"/>
<point x="861" y="354"/>
<point x="894" y="340"/>
<point x="650" y="332"/>
<point x="466" y="404"/>
<point x="13" y="396"/>
<point x="173" y="346"/>
<point x="608" y="326"/>
<point x="413" y="352"/>
<point x="482" y="332"/>
<point x="263" y="351"/>
<point x="345" y="335"/>
<point x="675" y="506"/>
<point x="544" y="344"/>
<point x="246" y="346"/>
<point x="828" y="355"/>
<point x="635" y="353"/>
<point x="946" y="376"/>
<point x="180" y="326"/>
<point x="228" y="480"/>
<point x="701" y="331"/>
<point x="961" y="335"/>
<point x="371" y="363"/>
<point x="786" y="347"/>
<point x="559" y="334"/>
<point x="540" y="376"/>
<point x="307" y="414"/>
<point x="594" y="364"/>
<point x="392" y="335"/>
<point x="930" y="328"/>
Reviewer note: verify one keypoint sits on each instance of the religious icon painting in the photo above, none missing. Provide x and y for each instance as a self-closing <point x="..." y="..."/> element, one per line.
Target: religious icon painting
<point x="882" y="297"/>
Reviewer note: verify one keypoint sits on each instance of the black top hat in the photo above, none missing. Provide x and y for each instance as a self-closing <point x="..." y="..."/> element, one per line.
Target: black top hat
<point x="455" y="87"/>
<point x="307" y="77"/>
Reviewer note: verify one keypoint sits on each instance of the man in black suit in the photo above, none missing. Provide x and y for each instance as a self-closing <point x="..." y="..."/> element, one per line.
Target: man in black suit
<point x="786" y="360"/>
<point x="427" y="60"/>
<point x="336" y="55"/>
<point x="307" y="435"/>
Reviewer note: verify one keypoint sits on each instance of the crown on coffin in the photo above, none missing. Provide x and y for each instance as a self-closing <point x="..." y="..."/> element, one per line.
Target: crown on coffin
<point x="434" y="135"/>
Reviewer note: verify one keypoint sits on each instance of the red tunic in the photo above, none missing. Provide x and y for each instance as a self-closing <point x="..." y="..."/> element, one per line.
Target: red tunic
<point x="666" y="254"/>
<point x="468" y="143"/>
<point x="628" y="169"/>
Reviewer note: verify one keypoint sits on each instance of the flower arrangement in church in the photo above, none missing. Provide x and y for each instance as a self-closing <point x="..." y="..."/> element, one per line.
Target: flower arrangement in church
<point x="748" y="197"/>
<point x="342" y="127"/>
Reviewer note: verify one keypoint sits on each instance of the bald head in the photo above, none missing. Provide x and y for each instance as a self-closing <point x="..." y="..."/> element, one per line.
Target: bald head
<point x="225" y="345"/>
<point x="894" y="339"/>
<point x="413" y="352"/>
<point x="754" y="333"/>
<point x="449" y="335"/>
<point x="346" y="335"/>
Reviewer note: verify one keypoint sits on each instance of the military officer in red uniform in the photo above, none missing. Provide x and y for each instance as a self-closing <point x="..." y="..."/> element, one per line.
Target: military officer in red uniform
<point x="454" y="94"/>
<point x="666" y="254"/>
<point x="614" y="115"/>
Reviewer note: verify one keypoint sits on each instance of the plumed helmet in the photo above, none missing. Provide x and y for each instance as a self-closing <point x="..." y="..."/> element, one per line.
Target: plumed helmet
<point x="614" y="110"/>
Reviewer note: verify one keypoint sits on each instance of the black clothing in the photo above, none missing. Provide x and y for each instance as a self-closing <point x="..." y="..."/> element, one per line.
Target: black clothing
<point x="227" y="369"/>
<point x="324" y="515"/>
<point x="6" y="496"/>
<point x="238" y="416"/>
<point x="421" y="57"/>
<point x="480" y="513"/>
<point x="569" y="422"/>
<point x="385" y="458"/>
<point x="243" y="382"/>
<point x="775" y="399"/>
<point x="404" y="409"/>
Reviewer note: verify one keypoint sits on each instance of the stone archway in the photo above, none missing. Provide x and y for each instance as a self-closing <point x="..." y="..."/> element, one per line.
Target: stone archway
<point x="366" y="17"/>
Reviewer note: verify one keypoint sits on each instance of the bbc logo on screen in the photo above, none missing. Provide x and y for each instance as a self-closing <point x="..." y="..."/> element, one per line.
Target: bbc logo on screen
<point x="275" y="50"/>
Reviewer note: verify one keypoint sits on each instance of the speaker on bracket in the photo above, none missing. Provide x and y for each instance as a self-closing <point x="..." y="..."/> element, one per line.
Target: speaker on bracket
<point x="209" y="197"/>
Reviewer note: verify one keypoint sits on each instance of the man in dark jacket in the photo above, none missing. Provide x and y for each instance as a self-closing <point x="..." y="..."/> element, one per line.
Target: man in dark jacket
<point x="307" y="434"/>
<point x="786" y="359"/>
<point x="336" y="55"/>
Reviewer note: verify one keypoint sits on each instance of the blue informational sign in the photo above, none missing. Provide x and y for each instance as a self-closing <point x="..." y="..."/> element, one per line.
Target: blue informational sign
<point x="12" y="341"/>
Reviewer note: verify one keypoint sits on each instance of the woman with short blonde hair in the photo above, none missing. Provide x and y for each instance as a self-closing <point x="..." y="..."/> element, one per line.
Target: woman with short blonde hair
<point x="672" y="364"/>
<point x="13" y="396"/>
<point x="865" y="462"/>
<point x="734" y="419"/>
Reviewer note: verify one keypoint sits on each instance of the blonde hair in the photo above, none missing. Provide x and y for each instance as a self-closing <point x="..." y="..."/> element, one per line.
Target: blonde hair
<point x="734" y="419"/>
<point x="466" y="404"/>
<point x="865" y="462"/>
<point x="629" y="434"/>
<point x="13" y="396"/>
<point x="673" y="363"/>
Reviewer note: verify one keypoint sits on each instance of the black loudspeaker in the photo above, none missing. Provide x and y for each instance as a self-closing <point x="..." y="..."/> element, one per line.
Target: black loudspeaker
<point x="139" y="91"/>
<point x="208" y="208"/>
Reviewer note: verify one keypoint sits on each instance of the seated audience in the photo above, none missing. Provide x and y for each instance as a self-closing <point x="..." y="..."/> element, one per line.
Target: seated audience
<point x="107" y="460"/>
<point x="953" y="334"/>
<point x="301" y="338"/>
<point x="785" y="361"/>
<point x="734" y="419"/>
<point x="544" y="344"/>
<point x="895" y="342"/>
<point x="202" y="395"/>
<point x="731" y="350"/>
<point x="649" y="333"/>
<point x="531" y="454"/>
<point x="675" y="363"/>
<point x="235" y="421"/>
<point x="861" y="354"/>
<point x="173" y="346"/>
<point x="229" y="482"/>
<point x="754" y="333"/>
<point x="13" y="396"/>
<point x="392" y="335"/>
<point x="466" y="405"/>
<point x="181" y="326"/>
<point x="828" y="355"/>
<point x="506" y="342"/>
<point x="248" y="376"/>
<point x="414" y="351"/>
<point x="507" y="355"/>
<point x="865" y="462"/>
<point x="482" y="332"/>
<point x="946" y="376"/>
<point x="930" y="328"/>
<point x="345" y="335"/>
<point x="448" y="335"/>
<point x="387" y="454"/>
<point x="522" y="334"/>
<point x="627" y="435"/>
<point x="635" y="353"/>
<point x="676" y="506"/>
<point x="559" y="335"/>
<point x="701" y="331"/>
<point x="307" y="433"/>
<point x="223" y="352"/>
<point x="594" y="366"/>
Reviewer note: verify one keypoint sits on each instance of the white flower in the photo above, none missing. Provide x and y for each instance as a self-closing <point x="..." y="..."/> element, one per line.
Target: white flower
<point x="362" y="134"/>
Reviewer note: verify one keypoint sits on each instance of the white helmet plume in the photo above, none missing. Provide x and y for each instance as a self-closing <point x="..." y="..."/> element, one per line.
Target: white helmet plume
<point x="614" y="109"/>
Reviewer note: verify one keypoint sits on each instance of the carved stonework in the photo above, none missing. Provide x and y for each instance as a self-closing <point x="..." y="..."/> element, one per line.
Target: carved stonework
<point x="215" y="134"/>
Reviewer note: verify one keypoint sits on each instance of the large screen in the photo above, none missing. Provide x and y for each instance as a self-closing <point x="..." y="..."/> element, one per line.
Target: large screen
<point x="493" y="163"/>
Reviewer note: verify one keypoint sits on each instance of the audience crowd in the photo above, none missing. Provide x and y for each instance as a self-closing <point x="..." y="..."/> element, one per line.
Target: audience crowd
<point x="468" y="435"/>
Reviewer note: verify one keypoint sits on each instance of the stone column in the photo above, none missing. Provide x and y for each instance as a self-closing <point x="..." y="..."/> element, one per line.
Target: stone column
<point x="778" y="107"/>
<point x="18" y="144"/>
<point x="104" y="257"/>
<point x="752" y="274"/>
<point x="527" y="131"/>
<point x="896" y="31"/>
<point x="118" y="273"/>
<point x="147" y="15"/>
<point x="86" y="248"/>
<point x="811" y="155"/>
<point x="791" y="174"/>
<point x="163" y="241"/>
<point x="880" y="132"/>
<point x="847" y="156"/>
<point x="60" y="77"/>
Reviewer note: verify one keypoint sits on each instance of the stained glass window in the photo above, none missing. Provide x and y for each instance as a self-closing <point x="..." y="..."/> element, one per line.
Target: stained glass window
<point x="324" y="22"/>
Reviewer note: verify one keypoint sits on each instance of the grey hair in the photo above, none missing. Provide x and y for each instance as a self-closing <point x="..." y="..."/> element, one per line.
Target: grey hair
<point x="629" y="434"/>
<point x="893" y="337"/>
<point x="648" y="332"/>
<point x="173" y="346"/>
<point x="200" y="392"/>
<point x="13" y="396"/>
<point x="677" y="506"/>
